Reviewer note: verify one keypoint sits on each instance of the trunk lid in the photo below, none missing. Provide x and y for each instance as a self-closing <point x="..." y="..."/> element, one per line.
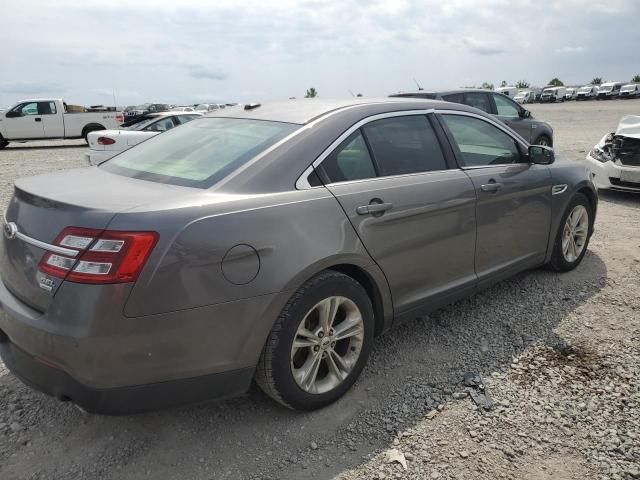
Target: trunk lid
<point x="42" y="206"/>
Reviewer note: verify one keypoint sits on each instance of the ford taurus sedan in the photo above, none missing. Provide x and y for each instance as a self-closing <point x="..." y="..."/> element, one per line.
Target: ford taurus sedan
<point x="271" y="242"/>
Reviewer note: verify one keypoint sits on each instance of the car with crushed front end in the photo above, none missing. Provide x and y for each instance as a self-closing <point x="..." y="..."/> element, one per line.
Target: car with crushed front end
<point x="271" y="242"/>
<point x="615" y="160"/>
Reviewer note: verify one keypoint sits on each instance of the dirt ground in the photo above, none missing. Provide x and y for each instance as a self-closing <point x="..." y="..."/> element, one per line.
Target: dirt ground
<point x="560" y="354"/>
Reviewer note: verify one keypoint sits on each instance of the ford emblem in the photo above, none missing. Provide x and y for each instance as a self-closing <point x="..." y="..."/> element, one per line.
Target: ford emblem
<point x="10" y="230"/>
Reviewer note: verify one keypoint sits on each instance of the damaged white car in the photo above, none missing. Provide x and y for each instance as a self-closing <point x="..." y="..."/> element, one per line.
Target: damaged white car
<point x="615" y="160"/>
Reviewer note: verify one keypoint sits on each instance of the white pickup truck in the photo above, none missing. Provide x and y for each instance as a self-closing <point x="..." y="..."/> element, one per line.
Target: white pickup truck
<point x="39" y="119"/>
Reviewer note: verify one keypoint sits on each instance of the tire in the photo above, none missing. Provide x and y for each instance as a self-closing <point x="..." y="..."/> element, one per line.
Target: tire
<point x="275" y="370"/>
<point x="89" y="129"/>
<point x="543" y="140"/>
<point x="3" y="142"/>
<point x="560" y="261"/>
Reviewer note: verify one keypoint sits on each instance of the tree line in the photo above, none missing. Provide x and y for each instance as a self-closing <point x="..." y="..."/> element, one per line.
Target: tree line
<point x="554" y="82"/>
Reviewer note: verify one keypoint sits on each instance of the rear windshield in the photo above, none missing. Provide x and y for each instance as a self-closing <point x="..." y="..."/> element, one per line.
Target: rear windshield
<point x="199" y="153"/>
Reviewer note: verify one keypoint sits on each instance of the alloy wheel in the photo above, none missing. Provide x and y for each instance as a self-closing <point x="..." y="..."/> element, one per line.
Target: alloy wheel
<point x="574" y="235"/>
<point x="327" y="345"/>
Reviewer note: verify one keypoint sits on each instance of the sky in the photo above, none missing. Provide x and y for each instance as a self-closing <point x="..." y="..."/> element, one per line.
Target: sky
<point x="190" y="51"/>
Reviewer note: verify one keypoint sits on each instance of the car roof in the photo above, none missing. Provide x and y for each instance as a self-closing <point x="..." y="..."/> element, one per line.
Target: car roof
<point x="442" y="92"/>
<point x="303" y="111"/>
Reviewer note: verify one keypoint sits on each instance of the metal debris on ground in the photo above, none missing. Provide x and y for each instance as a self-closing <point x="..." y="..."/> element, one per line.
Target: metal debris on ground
<point x="477" y="390"/>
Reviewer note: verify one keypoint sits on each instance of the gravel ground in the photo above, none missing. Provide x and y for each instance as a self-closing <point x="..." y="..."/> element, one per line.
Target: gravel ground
<point x="559" y="354"/>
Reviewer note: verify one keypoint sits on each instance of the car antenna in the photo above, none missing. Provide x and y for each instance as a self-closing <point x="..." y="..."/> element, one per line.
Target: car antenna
<point x="419" y="87"/>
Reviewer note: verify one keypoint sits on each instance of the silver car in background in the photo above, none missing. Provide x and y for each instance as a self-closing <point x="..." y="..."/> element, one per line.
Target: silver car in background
<point x="271" y="242"/>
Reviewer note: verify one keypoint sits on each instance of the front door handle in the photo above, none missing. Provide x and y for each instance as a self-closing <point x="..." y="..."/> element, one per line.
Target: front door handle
<point x="37" y="119"/>
<point x="374" y="208"/>
<point x="491" y="187"/>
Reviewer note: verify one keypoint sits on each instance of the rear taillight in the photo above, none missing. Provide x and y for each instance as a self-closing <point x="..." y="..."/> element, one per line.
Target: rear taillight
<point x="103" y="256"/>
<point x="120" y="117"/>
<point x="106" y="141"/>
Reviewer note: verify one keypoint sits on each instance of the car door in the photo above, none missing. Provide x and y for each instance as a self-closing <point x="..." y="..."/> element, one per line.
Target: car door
<point x="511" y="114"/>
<point x="414" y="214"/>
<point x="479" y="100"/>
<point x="24" y="121"/>
<point x="51" y="120"/>
<point x="514" y="196"/>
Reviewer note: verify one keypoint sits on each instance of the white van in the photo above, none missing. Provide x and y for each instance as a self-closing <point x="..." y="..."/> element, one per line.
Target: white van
<point x="525" y="96"/>
<point x="609" y="90"/>
<point x="587" y="92"/>
<point x="508" y="91"/>
<point x="630" y="90"/>
<point x="553" y="94"/>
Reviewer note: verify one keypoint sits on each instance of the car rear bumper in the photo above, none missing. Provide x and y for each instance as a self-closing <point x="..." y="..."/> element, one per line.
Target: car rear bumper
<point x="84" y="349"/>
<point x="608" y="175"/>
<point x="50" y="379"/>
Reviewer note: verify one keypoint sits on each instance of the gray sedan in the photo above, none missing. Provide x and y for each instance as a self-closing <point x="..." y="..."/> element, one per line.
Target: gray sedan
<point x="501" y="106"/>
<point x="272" y="242"/>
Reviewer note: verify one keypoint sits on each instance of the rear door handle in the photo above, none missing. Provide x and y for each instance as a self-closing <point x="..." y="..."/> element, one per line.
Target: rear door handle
<point x="374" y="208"/>
<point x="491" y="187"/>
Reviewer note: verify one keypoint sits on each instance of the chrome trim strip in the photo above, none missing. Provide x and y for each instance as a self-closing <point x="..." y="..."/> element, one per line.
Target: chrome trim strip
<point x="559" y="189"/>
<point x="43" y="245"/>
<point x="303" y="184"/>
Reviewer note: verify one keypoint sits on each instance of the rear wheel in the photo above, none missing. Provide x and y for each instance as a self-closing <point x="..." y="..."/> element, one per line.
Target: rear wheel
<point x="3" y="142"/>
<point x="573" y="235"/>
<point x="90" y="128"/>
<point x="319" y="344"/>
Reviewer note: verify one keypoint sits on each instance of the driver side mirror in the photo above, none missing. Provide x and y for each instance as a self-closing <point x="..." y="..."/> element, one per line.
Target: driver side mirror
<point x="525" y="114"/>
<point x="12" y="114"/>
<point x="541" y="155"/>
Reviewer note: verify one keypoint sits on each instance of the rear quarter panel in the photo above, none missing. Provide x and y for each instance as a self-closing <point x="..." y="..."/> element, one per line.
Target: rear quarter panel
<point x="294" y="234"/>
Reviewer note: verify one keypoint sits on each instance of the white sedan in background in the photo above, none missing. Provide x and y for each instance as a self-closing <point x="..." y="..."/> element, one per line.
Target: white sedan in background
<point x="104" y="144"/>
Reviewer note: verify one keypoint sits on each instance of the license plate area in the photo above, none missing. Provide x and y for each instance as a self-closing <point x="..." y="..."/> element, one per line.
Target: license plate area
<point x="630" y="176"/>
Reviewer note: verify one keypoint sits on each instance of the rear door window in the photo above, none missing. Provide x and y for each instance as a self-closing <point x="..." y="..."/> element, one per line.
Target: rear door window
<point x="161" y="125"/>
<point x="47" y="108"/>
<point x="505" y="107"/>
<point x="478" y="100"/>
<point x="454" y="97"/>
<point x="403" y="145"/>
<point x="479" y="143"/>
<point x="350" y="161"/>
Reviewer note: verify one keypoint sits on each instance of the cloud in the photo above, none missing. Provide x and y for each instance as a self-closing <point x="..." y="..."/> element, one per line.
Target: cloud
<point x="201" y="72"/>
<point x="28" y="88"/>
<point x="482" y="47"/>
<point x="568" y="49"/>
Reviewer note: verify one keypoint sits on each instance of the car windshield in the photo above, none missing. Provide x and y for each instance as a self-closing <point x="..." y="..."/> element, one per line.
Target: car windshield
<point x="141" y="125"/>
<point x="608" y="88"/>
<point x="584" y="90"/>
<point x="548" y="91"/>
<point x="200" y="153"/>
<point x="628" y="88"/>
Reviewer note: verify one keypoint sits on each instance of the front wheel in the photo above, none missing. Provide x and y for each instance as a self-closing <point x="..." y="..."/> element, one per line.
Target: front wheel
<point x="319" y="343"/>
<point x="3" y="142"/>
<point x="573" y="235"/>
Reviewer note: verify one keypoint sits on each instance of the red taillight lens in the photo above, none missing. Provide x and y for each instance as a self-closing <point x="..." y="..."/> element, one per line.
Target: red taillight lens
<point x="120" y="118"/>
<point x="106" y="141"/>
<point x="103" y="256"/>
